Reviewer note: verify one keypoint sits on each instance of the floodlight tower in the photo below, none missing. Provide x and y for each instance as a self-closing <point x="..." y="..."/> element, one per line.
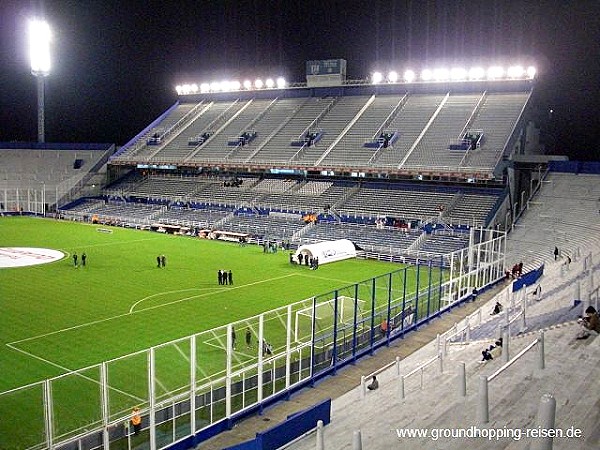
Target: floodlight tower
<point x="39" y="52"/>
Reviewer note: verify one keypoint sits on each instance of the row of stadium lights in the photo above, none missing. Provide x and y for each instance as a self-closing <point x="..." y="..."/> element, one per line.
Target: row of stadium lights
<point x="228" y="86"/>
<point x="459" y="74"/>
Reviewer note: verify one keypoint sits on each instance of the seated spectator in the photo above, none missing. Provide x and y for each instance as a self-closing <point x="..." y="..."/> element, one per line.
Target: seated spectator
<point x="590" y="323"/>
<point x="374" y="384"/>
<point x="497" y="309"/>
<point x="383" y="328"/>
<point x="486" y="355"/>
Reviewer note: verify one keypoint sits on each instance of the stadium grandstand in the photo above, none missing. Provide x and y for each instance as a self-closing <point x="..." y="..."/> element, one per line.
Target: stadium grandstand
<point x="437" y="171"/>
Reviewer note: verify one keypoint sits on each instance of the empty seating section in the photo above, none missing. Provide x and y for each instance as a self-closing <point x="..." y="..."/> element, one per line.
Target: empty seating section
<point x="269" y="124"/>
<point x="398" y="203"/>
<point x="496" y="117"/>
<point x="410" y="121"/>
<point x="21" y="167"/>
<point x="279" y="149"/>
<point x="442" y="244"/>
<point x="471" y="209"/>
<point x="350" y="151"/>
<point x="268" y="227"/>
<point x="199" y="218"/>
<point x="217" y="148"/>
<point x="172" y="188"/>
<point x="302" y="201"/>
<point x="207" y="119"/>
<point x="369" y="238"/>
<point x="332" y="125"/>
<point x="432" y="150"/>
<point x="176" y="115"/>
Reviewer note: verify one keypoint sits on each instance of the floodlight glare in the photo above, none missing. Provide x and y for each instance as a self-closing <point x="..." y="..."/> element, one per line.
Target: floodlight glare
<point x="225" y="86"/>
<point x="393" y="76"/>
<point x="215" y="86"/>
<point x="458" y="73"/>
<point x="515" y="72"/>
<point x="409" y="76"/>
<point x="235" y="85"/>
<point x="426" y="75"/>
<point x="247" y="84"/>
<point x="531" y="72"/>
<point x="205" y="88"/>
<point x="270" y="83"/>
<point x="376" y="77"/>
<point x="495" y="72"/>
<point x="280" y="82"/>
<point x="179" y="90"/>
<point x="476" y="73"/>
<point x="258" y="84"/>
<point x="441" y="74"/>
<point x="39" y="47"/>
<point x="194" y="88"/>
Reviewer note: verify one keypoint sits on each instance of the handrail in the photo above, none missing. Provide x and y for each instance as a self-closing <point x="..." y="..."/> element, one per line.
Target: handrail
<point x="512" y="361"/>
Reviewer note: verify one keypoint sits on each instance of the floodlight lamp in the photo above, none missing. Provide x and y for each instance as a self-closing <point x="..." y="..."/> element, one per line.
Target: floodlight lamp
<point x="441" y="74"/>
<point x="409" y="76"/>
<point x="204" y="88"/>
<point x="280" y="82"/>
<point x="39" y="47"/>
<point x="515" y="72"/>
<point x="225" y="86"/>
<point x="247" y="84"/>
<point x="194" y="88"/>
<point x="476" y="73"/>
<point x="258" y="84"/>
<point x="376" y="77"/>
<point x="178" y="89"/>
<point x="235" y="85"/>
<point x="426" y="75"/>
<point x="458" y="73"/>
<point x="270" y="83"/>
<point x="393" y="76"/>
<point x="531" y="72"/>
<point x="215" y="86"/>
<point x="495" y="72"/>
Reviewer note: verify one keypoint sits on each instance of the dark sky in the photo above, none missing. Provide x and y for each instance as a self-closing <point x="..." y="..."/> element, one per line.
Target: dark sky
<point x="116" y="62"/>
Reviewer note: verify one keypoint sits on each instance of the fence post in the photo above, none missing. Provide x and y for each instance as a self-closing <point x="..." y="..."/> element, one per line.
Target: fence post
<point x="402" y="387"/>
<point x="505" y="345"/>
<point x="541" y="355"/>
<point x="398" y="365"/>
<point x="438" y="342"/>
<point x="320" y="441"/>
<point x="523" y="322"/>
<point x="461" y="380"/>
<point x="483" y="413"/>
<point x="441" y="358"/>
<point x="577" y="291"/>
<point x="506" y="316"/>
<point x="357" y="441"/>
<point x="362" y="387"/>
<point x="546" y="420"/>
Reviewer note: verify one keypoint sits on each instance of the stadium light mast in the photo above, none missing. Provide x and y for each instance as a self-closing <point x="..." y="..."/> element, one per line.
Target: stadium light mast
<point x="39" y="53"/>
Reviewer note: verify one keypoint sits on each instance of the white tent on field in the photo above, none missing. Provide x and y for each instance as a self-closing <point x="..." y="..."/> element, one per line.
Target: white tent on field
<point x="328" y="251"/>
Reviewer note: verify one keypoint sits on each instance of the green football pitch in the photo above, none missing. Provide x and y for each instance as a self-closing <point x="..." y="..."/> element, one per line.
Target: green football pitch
<point x="57" y="318"/>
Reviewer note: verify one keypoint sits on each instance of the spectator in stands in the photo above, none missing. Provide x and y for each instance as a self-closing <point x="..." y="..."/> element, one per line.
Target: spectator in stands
<point x="556" y="253"/>
<point x="497" y="309"/>
<point x="383" y="328"/>
<point x="591" y="321"/>
<point x="374" y="384"/>
<point x="486" y="355"/>
<point x="520" y="269"/>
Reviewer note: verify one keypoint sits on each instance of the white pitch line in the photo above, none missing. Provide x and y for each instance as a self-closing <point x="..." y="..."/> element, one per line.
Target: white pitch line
<point x="118" y="316"/>
<point x="67" y="370"/>
<point x="228" y="289"/>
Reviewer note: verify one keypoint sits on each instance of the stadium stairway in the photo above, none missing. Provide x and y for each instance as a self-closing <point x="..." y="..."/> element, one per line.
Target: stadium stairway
<point x="514" y="397"/>
<point x="346" y="379"/>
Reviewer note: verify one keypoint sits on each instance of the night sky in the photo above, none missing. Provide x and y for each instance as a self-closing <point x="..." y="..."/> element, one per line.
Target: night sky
<point x="116" y="63"/>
